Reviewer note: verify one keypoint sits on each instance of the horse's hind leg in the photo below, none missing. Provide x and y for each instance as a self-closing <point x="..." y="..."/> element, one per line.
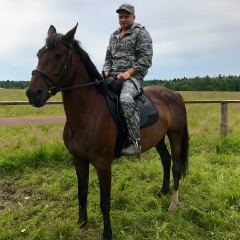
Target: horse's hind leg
<point x="166" y="163"/>
<point x="175" y="143"/>
<point x="82" y="171"/>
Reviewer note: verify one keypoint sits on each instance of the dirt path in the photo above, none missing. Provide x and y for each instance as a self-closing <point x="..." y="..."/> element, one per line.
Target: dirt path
<point x="31" y="120"/>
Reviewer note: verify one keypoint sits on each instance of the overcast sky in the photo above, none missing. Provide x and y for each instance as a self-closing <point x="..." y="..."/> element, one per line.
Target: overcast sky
<point x="190" y="37"/>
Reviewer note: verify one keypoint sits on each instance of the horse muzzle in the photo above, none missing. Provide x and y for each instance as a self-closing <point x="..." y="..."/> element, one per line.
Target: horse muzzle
<point x="37" y="97"/>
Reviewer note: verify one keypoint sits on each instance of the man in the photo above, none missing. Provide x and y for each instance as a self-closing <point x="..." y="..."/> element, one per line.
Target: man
<point x="128" y="57"/>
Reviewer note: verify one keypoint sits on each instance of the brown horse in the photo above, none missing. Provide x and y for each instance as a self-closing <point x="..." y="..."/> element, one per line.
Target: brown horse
<point x="90" y="131"/>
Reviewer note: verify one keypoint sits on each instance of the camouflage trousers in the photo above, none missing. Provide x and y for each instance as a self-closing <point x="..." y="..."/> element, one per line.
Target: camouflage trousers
<point x="132" y="115"/>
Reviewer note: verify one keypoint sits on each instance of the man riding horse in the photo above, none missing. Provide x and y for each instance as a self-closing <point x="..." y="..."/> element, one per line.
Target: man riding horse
<point x="128" y="57"/>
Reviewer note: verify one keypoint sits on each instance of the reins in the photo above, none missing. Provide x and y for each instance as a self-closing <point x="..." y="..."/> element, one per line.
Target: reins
<point x="96" y="81"/>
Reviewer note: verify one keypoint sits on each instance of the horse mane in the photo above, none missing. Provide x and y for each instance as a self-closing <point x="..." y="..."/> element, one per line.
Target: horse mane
<point x="91" y="68"/>
<point x="55" y="39"/>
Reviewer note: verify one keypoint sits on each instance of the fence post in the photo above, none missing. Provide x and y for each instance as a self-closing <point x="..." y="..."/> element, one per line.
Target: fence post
<point x="224" y="118"/>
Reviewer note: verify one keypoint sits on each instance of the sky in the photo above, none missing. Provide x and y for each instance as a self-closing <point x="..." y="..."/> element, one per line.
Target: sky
<point x="190" y="37"/>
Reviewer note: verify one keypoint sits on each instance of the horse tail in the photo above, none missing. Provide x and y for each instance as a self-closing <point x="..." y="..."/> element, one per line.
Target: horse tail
<point x="184" y="151"/>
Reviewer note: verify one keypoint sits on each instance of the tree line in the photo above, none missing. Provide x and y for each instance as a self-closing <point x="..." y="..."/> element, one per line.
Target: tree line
<point x="14" y="84"/>
<point x="219" y="83"/>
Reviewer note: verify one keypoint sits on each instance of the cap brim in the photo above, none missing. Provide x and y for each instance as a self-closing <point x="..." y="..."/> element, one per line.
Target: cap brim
<point x="121" y="9"/>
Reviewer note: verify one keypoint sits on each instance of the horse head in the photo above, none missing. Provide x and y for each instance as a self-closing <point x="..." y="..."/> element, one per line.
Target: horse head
<point x="55" y="67"/>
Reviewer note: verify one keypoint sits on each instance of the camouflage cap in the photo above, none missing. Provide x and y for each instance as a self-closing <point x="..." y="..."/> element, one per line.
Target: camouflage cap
<point x="126" y="7"/>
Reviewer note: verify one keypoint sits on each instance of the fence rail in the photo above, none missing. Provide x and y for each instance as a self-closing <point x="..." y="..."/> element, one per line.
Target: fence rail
<point x="60" y="102"/>
<point x="25" y="102"/>
<point x="11" y="121"/>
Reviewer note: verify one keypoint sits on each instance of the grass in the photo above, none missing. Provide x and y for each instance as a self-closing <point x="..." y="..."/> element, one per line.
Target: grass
<point x="38" y="185"/>
<point x="12" y="111"/>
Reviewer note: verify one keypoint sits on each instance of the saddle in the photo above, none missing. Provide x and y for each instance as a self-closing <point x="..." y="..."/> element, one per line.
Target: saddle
<point x="148" y="116"/>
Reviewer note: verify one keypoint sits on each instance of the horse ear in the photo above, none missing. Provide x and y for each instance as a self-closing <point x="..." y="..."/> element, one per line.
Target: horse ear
<point x="69" y="36"/>
<point x="51" y="30"/>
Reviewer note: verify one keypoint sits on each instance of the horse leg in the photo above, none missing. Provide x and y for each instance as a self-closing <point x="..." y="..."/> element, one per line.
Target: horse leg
<point x="166" y="163"/>
<point x="82" y="171"/>
<point x="175" y="143"/>
<point x="104" y="176"/>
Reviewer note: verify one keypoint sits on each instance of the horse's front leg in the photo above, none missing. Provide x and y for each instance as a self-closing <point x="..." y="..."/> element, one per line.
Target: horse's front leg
<point x="82" y="171"/>
<point x="104" y="176"/>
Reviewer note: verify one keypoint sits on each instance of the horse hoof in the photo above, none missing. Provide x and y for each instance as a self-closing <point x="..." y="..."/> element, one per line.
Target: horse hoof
<point x="165" y="191"/>
<point x="82" y="223"/>
<point x="174" y="205"/>
<point x="107" y="235"/>
<point x="106" y="238"/>
<point x="159" y="194"/>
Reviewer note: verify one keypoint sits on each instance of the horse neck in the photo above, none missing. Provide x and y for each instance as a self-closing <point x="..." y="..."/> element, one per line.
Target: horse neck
<point x="79" y="103"/>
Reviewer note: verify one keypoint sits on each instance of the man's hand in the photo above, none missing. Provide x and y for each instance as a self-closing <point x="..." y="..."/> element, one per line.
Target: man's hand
<point x="106" y="73"/>
<point x="123" y="76"/>
<point x="126" y="75"/>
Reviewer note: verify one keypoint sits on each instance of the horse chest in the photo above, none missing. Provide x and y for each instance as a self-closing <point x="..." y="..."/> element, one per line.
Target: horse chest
<point x="77" y="143"/>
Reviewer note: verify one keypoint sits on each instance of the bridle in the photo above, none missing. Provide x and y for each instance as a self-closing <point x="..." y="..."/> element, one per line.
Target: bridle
<point x="55" y="89"/>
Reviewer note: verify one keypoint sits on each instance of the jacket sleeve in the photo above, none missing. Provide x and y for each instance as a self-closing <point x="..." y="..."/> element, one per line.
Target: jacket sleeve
<point x="144" y="52"/>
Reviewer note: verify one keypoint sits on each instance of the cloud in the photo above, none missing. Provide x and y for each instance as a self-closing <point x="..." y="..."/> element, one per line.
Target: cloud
<point x="189" y="37"/>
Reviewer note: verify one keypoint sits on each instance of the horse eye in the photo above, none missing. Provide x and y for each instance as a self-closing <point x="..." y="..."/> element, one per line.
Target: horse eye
<point x="59" y="55"/>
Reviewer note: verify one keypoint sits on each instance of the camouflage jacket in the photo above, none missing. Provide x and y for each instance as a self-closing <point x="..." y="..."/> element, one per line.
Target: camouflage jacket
<point x="133" y="50"/>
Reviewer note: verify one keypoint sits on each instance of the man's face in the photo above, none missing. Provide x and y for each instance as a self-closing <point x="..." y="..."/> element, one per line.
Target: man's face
<point x="126" y="19"/>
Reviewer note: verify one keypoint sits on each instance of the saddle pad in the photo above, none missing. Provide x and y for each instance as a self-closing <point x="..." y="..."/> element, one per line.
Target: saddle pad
<point x="148" y="112"/>
<point x="148" y="116"/>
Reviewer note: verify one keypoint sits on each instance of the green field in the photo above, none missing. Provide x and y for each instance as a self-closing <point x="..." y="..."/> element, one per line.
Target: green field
<point x="38" y="186"/>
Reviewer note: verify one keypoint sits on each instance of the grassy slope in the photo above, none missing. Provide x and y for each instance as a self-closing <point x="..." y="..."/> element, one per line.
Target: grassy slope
<point x="38" y="187"/>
